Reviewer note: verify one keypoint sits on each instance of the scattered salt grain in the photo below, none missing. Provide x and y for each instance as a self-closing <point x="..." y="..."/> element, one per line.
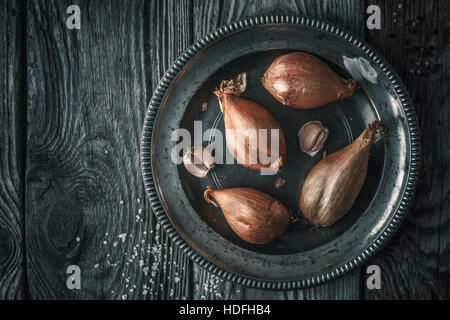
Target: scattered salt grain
<point x="123" y="236"/>
<point x="121" y="202"/>
<point x="96" y="265"/>
<point x="78" y="239"/>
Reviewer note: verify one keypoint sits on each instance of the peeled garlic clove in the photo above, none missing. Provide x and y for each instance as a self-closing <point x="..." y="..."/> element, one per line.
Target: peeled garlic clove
<point x="253" y="215"/>
<point x="312" y="137"/>
<point x="198" y="161"/>
<point x="245" y="123"/>
<point x="333" y="184"/>
<point x="301" y="80"/>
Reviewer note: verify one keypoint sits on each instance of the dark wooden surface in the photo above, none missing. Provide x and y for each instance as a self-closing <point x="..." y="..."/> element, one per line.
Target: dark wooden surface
<point x="72" y="107"/>
<point x="12" y="161"/>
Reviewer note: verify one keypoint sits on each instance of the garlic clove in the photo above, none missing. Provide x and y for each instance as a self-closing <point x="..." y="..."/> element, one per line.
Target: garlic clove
<point x="198" y="161"/>
<point x="312" y="136"/>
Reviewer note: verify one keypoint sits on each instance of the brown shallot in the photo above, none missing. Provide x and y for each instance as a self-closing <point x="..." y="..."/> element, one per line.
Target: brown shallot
<point x="253" y="215"/>
<point x="300" y="80"/>
<point x="253" y="135"/>
<point x="332" y="185"/>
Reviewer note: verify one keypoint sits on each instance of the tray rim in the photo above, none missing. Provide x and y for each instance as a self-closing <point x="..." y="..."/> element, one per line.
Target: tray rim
<point x="304" y="21"/>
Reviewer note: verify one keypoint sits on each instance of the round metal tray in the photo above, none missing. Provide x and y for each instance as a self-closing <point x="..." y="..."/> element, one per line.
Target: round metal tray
<point x="305" y="255"/>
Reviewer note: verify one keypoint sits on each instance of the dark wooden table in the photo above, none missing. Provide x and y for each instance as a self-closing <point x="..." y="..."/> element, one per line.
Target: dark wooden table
<point x="72" y="104"/>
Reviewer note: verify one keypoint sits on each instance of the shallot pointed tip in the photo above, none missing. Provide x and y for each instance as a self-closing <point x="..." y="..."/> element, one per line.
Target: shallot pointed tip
<point x="350" y="86"/>
<point x="209" y="197"/>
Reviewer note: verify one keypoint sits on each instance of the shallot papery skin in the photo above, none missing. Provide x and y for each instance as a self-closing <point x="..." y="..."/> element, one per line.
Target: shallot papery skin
<point x="301" y="80"/>
<point x="242" y="116"/>
<point x="333" y="184"/>
<point x="253" y="215"/>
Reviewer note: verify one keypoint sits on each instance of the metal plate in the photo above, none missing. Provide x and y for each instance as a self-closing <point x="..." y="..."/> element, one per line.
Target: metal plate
<point x="305" y="255"/>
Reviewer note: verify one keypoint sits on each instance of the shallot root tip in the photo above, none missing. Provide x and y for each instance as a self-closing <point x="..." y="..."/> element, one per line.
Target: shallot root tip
<point x="209" y="197"/>
<point x="379" y="128"/>
<point x="376" y="127"/>
<point x="235" y="86"/>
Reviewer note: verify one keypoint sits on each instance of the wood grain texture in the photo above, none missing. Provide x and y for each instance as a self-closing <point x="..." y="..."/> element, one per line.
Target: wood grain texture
<point x="12" y="253"/>
<point x="88" y="92"/>
<point x="211" y="15"/>
<point x="416" y="262"/>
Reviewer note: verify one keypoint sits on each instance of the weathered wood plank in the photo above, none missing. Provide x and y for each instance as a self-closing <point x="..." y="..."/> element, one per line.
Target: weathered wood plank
<point x="211" y="15"/>
<point x="416" y="263"/>
<point x="12" y="113"/>
<point x="88" y="91"/>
